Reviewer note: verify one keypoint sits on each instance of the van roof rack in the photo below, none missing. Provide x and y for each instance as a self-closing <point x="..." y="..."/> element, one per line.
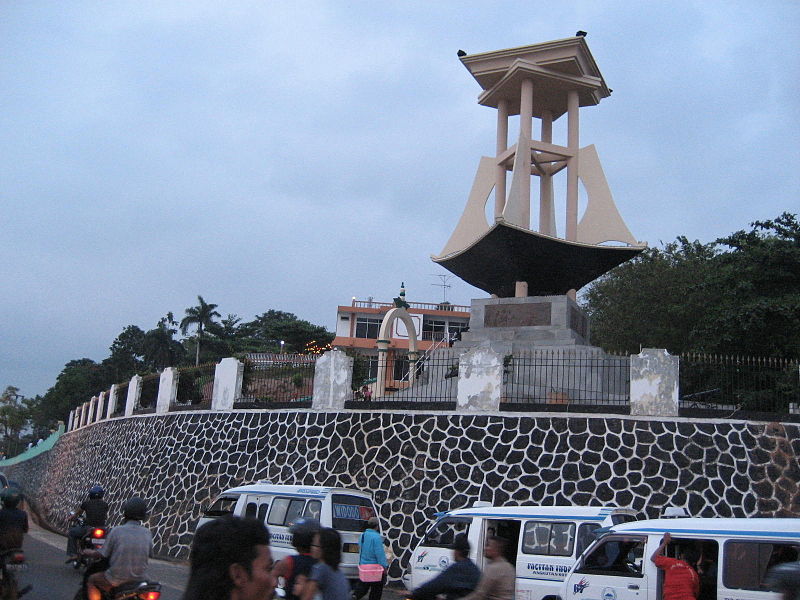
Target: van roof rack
<point x="674" y="512"/>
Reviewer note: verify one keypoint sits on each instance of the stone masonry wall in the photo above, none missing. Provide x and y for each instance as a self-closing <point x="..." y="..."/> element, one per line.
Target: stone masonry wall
<point x="418" y="464"/>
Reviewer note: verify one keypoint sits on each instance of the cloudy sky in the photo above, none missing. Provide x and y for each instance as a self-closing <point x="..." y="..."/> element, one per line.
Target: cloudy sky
<point x="292" y="155"/>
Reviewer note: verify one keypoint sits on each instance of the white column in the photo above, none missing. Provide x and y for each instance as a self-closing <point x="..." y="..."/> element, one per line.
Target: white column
<point x="480" y="380"/>
<point x="84" y="413"/>
<point x="112" y="401"/>
<point x="502" y="146"/>
<point x="70" y="420"/>
<point x="547" y="211"/>
<point x="167" y="389"/>
<point x="134" y="389"/>
<point x="526" y="133"/>
<point x="98" y="415"/>
<point x="228" y="376"/>
<point x="333" y="376"/>
<point x="654" y="383"/>
<point x="92" y="410"/>
<point x="573" y="141"/>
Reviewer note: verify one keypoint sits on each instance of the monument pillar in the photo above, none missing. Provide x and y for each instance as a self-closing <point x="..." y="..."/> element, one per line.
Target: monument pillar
<point x="573" y="142"/>
<point x="502" y="146"/>
<point x="524" y="146"/>
<point x="547" y="211"/>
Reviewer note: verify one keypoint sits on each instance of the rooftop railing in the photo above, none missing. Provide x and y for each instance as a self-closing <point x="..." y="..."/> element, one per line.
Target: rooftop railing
<point x="421" y="305"/>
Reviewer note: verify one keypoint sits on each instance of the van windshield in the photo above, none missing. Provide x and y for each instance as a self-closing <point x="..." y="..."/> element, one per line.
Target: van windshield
<point x="444" y="532"/>
<point x="222" y="506"/>
<point x="351" y="513"/>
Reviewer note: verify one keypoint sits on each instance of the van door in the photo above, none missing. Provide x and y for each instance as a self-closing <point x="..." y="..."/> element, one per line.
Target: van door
<point x="349" y="516"/>
<point x="435" y="552"/>
<point x="613" y="569"/>
<point x="545" y="557"/>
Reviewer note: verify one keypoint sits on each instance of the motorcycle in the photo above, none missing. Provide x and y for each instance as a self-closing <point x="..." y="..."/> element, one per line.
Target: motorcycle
<point x="131" y="590"/>
<point x="93" y="539"/>
<point x="12" y="562"/>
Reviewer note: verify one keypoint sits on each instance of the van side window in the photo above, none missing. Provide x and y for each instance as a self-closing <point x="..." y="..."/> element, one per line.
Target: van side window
<point x="277" y="514"/>
<point x="444" y="532"/>
<point x="313" y="509"/>
<point x="745" y="564"/>
<point x="294" y="511"/>
<point x="585" y="536"/>
<point x="545" y="537"/>
<point x="250" y="510"/>
<point x="222" y="506"/>
<point x="351" y="513"/>
<point x="262" y="511"/>
<point x="617" y="556"/>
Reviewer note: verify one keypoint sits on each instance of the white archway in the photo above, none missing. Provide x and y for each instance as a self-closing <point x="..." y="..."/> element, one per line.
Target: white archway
<point x="384" y="338"/>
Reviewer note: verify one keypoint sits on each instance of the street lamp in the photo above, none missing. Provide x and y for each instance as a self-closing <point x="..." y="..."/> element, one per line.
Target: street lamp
<point x="282" y="343"/>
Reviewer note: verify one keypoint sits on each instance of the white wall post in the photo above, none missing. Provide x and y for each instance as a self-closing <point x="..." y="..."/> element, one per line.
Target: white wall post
<point x="84" y="413"/>
<point x="654" y="383"/>
<point x="92" y="410"/>
<point x="112" y="401"/>
<point x="480" y="380"/>
<point x="70" y="420"/>
<point x="333" y="376"/>
<point x="167" y="389"/>
<point x="228" y="375"/>
<point x="134" y="389"/>
<point x="98" y="415"/>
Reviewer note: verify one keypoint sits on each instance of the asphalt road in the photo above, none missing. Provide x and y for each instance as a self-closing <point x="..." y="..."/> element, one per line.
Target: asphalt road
<point x="53" y="580"/>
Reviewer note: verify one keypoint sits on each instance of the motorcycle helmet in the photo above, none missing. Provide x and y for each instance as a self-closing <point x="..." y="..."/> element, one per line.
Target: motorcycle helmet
<point x="135" y="509"/>
<point x="303" y="532"/>
<point x="10" y="498"/>
<point x="96" y="492"/>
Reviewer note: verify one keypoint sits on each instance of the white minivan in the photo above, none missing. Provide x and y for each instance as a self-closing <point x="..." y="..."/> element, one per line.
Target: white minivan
<point x="280" y="506"/>
<point x="735" y="555"/>
<point x="544" y="542"/>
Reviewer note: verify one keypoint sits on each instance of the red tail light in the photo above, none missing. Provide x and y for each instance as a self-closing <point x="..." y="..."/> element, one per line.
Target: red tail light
<point x="98" y="533"/>
<point x="151" y="596"/>
<point x="18" y="557"/>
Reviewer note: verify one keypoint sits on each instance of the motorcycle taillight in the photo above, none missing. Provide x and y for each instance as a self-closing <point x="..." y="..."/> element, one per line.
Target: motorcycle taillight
<point x="151" y="596"/>
<point x="18" y="557"/>
<point x="98" y="533"/>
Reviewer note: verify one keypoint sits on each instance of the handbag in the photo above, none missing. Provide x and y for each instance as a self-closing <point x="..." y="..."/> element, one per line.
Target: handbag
<point x="371" y="572"/>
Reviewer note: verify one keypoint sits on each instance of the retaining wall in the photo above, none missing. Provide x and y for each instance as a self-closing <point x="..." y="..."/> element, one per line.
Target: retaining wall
<point x="418" y="464"/>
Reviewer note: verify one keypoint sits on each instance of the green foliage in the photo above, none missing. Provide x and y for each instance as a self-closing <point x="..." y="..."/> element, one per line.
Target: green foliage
<point x="14" y="414"/>
<point x="273" y="326"/>
<point x="159" y="347"/>
<point x="738" y="295"/>
<point x="200" y="317"/>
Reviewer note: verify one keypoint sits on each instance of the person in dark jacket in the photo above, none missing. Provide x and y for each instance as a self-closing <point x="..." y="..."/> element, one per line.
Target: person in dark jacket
<point x="296" y="568"/>
<point x="457" y="580"/>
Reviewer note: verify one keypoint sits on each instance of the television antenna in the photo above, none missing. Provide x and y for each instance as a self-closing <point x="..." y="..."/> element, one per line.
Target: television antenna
<point x="444" y="285"/>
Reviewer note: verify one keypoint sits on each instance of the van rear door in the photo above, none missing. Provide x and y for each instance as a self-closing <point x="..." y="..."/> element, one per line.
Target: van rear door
<point x="349" y="516"/>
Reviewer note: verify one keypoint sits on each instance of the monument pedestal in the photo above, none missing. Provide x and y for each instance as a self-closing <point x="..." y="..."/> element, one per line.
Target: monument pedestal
<point x="510" y="325"/>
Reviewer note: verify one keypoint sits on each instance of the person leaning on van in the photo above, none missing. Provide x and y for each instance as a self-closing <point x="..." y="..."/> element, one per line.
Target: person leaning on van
<point x="499" y="576"/>
<point x="681" y="581"/>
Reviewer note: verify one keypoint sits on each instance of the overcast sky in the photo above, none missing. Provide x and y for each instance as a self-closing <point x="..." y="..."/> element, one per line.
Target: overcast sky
<point x="292" y="155"/>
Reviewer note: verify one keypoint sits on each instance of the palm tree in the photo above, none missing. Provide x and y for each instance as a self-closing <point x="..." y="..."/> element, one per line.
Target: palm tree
<point x="200" y="316"/>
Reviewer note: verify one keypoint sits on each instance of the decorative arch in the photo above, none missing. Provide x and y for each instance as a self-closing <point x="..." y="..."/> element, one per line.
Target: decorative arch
<point x="384" y="336"/>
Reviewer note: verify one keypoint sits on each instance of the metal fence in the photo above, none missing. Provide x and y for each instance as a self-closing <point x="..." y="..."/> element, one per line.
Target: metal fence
<point x="562" y="379"/>
<point x="148" y="395"/>
<point x="122" y="398"/>
<point x="731" y="386"/>
<point x="195" y="386"/>
<point x="277" y="379"/>
<point x="432" y="384"/>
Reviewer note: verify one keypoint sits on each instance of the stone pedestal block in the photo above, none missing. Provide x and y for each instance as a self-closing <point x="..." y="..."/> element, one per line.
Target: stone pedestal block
<point x="112" y="401"/>
<point x="480" y="380"/>
<point x="134" y="389"/>
<point x="228" y="376"/>
<point x="333" y="375"/>
<point x="654" y="383"/>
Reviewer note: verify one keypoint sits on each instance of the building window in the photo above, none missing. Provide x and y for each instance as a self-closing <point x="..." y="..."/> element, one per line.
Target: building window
<point x="400" y="370"/>
<point x="433" y="329"/>
<point x="456" y="326"/>
<point x="368" y="327"/>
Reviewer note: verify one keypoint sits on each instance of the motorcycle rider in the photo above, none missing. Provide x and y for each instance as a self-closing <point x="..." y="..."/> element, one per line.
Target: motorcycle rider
<point x="96" y="510"/>
<point x="127" y="549"/>
<point x="13" y="521"/>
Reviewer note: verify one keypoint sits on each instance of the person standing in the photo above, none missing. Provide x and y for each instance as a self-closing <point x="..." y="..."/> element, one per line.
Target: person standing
<point x="326" y="578"/>
<point x="371" y="553"/>
<point x="457" y="580"/>
<point x="681" y="581"/>
<point x="296" y="568"/>
<point x="230" y="560"/>
<point x="499" y="576"/>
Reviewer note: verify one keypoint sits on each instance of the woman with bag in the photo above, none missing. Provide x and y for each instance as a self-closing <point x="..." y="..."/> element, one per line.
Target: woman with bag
<point x="372" y="563"/>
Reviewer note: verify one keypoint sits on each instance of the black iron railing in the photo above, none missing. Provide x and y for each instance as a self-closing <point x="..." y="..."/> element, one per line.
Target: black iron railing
<point x="148" y="395"/>
<point x="563" y="379"/>
<point x="195" y="386"/>
<point x="277" y="380"/>
<point x="731" y="386"/>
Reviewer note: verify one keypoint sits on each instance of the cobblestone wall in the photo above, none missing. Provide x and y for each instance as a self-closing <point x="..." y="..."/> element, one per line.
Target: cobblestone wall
<point x="418" y="464"/>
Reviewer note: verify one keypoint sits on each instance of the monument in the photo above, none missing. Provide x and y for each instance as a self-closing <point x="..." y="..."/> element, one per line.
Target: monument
<point x="532" y="273"/>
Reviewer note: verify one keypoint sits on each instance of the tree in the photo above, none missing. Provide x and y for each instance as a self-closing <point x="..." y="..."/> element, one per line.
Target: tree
<point x="13" y="418"/>
<point x="127" y="354"/>
<point x="78" y="381"/>
<point x="200" y="316"/>
<point x="274" y="326"/>
<point x="737" y="295"/>
<point x="159" y="347"/>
